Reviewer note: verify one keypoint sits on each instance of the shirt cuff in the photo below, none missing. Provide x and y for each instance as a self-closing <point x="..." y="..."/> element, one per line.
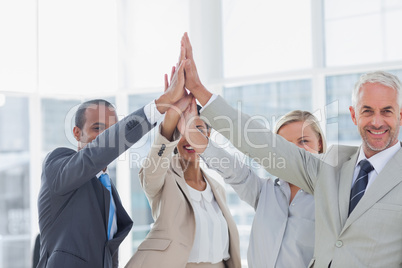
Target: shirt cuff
<point x="213" y="97"/>
<point x="152" y="114"/>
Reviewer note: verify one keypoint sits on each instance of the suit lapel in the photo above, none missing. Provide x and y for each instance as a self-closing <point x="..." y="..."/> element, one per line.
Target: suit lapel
<point x="175" y="164"/>
<point x="101" y="198"/>
<point x="389" y="177"/>
<point x="217" y="195"/>
<point x="345" y="184"/>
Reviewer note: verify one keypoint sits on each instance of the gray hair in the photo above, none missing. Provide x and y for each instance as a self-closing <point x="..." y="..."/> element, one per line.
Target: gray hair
<point x="309" y="119"/>
<point x="381" y="77"/>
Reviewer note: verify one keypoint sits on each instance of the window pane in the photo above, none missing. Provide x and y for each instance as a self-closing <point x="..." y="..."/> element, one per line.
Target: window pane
<point x="335" y="9"/>
<point x="77" y="46"/>
<point x="57" y="123"/>
<point x="141" y="212"/>
<point x="152" y="31"/>
<point x="18" y="45"/>
<point x="263" y="36"/>
<point x="15" y="245"/>
<point x="393" y="41"/>
<point x="365" y="32"/>
<point x="354" y="40"/>
<point x="271" y="99"/>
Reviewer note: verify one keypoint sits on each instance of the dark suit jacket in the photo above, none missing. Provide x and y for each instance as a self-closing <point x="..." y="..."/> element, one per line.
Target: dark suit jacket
<point x="74" y="205"/>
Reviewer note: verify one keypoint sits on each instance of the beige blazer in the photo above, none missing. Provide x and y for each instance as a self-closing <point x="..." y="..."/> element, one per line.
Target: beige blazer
<point x="371" y="236"/>
<point x="170" y="240"/>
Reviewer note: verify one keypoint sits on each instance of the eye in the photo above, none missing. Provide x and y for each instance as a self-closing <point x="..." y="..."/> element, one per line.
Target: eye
<point x="98" y="128"/>
<point x="304" y="141"/>
<point x="202" y="130"/>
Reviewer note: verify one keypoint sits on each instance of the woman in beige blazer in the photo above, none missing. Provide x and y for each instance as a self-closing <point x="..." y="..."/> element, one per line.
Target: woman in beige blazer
<point x="180" y="193"/>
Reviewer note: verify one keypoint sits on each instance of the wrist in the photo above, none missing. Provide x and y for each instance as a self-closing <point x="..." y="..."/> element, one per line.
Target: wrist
<point x="162" y="103"/>
<point x="173" y="114"/>
<point x="202" y="94"/>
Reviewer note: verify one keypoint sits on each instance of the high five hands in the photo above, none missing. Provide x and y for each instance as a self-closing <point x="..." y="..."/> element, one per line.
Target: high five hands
<point x="181" y="110"/>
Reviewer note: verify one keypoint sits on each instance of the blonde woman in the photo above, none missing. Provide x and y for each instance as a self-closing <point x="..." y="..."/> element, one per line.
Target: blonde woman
<point x="282" y="233"/>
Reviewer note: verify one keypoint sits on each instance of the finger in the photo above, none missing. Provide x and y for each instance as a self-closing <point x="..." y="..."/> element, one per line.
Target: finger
<point x="189" y="49"/>
<point x="182" y="53"/>
<point x="180" y="69"/>
<point x="172" y="73"/>
<point x="166" y="82"/>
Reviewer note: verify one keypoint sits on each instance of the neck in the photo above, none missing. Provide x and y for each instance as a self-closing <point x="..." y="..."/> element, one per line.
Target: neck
<point x="192" y="171"/>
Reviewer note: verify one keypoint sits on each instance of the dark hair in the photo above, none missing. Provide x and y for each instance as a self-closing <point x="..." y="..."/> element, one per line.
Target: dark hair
<point x="199" y="113"/>
<point x="80" y="113"/>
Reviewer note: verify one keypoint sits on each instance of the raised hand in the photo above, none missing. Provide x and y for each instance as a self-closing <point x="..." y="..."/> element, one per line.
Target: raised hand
<point x="173" y="92"/>
<point x="175" y="110"/>
<point x="191" y="73"/>
<point x="192" y="80"/>
<point x="176" y="88"/>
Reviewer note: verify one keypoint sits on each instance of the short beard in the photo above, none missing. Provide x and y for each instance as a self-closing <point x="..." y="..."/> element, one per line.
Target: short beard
<point x="374" y="149"/>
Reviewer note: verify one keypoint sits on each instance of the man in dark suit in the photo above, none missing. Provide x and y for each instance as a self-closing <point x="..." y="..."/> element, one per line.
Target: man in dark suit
<point x="82" y="221"/>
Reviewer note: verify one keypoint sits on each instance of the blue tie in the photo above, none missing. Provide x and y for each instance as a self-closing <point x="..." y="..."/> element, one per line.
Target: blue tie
<point x="360" y="185"/>
<point x="105" y="180"/>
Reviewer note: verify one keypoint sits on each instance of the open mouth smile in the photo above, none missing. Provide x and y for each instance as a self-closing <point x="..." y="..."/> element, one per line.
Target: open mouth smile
<point x="189" y="149"/>
<point x="377" y="133"/>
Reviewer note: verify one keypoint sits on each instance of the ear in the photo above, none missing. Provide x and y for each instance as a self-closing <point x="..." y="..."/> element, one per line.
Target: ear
<point x="400" y="117"/>
<point x="353" y="114"/>
<point x="77" y="133"/>
<point x="320" y="146"/>
<point x="209" y="132"/>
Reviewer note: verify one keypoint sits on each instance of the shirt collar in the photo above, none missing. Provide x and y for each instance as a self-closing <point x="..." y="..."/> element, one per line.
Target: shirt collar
<point x="379" y="160"/>
<point x="197" y="195"/>
<point x="102" y="172"/>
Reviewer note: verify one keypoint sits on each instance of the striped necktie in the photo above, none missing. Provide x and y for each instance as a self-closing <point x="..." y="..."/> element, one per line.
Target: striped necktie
<point x="105" y="180"/>
<point x="359" y="187"/>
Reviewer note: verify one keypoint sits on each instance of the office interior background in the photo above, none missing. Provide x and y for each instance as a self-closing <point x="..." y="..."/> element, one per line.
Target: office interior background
<point x="265" y="57"/>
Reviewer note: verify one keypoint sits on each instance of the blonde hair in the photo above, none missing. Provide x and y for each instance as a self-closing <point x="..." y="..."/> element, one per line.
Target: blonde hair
<point x="309" y="119"/>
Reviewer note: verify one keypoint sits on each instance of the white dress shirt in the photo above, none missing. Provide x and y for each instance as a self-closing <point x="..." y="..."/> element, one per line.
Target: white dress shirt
<point x="282" y="235"/>
<point x="211" y="241"/>
<point x="378" y="161"/>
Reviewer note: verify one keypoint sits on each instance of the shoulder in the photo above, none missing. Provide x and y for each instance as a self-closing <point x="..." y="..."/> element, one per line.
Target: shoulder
<point x="61" y="151"/>
<point x="58" y="153"/>
<point x="338" y="154"/>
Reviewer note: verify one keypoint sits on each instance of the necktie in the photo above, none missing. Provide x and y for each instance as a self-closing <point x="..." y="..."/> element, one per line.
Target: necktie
<point x="105" y="180"/>
<point x="359" y="187"/>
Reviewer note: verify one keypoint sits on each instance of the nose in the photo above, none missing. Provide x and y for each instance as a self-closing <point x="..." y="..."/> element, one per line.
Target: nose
<point x="377" y="120"/>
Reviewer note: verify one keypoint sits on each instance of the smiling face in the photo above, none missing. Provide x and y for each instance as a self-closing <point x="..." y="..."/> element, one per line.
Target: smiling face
<point x="302" y="135"/>
<point x="98" y="118"/>
<point x="187" y="152"/>
<point x="377" y="116"/>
